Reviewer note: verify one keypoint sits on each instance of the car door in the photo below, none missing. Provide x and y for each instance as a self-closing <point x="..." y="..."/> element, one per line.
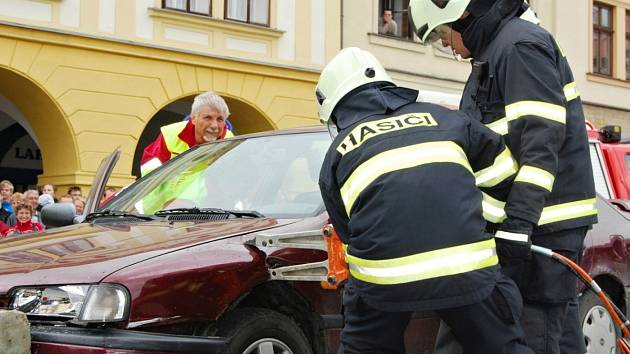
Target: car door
<point x="99" y="183"/>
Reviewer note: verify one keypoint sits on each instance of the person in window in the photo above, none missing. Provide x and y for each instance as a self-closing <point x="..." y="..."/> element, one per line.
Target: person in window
<point x="387" y="25"/>
<point x="209" y="113"/>
<point x="521" y="86"/>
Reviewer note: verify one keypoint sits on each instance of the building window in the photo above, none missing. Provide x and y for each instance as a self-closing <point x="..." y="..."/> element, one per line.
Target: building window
<point x="199" y="7"/>
<point x="399" y="26"/>
<point x="250" y="11"/>
<point x="627" y="45"/>
<point x="602" y="39"/>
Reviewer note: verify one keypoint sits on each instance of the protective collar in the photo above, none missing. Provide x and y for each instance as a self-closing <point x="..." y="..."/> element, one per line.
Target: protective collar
<point x="369" y="101"/>
<point x="484" y="28"/>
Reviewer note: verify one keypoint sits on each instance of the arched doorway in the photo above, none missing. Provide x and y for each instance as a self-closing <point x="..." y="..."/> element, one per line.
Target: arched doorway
<point x="20" y="156"/>
<point x="36" y="140"/>
<point x="244" y="117"/>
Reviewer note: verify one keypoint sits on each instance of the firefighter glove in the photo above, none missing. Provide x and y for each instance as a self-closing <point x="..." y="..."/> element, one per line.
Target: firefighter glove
<point x="514" y="241"/>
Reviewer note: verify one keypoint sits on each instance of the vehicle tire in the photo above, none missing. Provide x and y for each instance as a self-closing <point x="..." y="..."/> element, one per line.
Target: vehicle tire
<point x="600" y="331"/>
<point x="262" y="331"/>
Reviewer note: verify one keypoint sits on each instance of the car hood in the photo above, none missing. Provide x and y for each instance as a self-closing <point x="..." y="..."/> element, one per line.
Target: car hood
<point x="86" y="253"/>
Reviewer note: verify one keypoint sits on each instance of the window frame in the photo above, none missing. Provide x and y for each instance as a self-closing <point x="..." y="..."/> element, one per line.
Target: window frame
<point x="188" y="11"/>
<point x="598" y="28"/>
<point x="248" y="20"/>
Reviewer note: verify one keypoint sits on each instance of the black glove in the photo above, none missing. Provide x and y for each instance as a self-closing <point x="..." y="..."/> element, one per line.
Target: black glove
<point x="513" y="241"/>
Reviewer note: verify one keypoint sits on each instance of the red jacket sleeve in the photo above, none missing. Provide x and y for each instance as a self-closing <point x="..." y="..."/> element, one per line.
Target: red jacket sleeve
<point x="156" y="149"/>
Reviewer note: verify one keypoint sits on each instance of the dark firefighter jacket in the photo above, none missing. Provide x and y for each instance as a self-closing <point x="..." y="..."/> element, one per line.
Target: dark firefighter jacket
<point x="521" y="87"/>
<point x="399" y="184"/>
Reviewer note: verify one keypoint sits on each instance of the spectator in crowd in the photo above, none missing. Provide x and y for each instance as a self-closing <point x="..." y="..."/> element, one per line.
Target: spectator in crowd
<point x="79" y="205"/>
<point x="6" y="217"/>
<point x="109" y="192"/>
<point x="66" y="199"/>
<point x="6" y="190"/>
<point x="43" y="201"/>
<point x="4" y="229"/>
<point x="75" y="192"/>
<point x="50" y="190"/>
<point x="209" y="112"/>
<point x="6" y="211"/>
<point x="24" y="214"/>
<point x="31" y="197"/>
<point x="17" y="198"/>
<point x="387" y="24"/>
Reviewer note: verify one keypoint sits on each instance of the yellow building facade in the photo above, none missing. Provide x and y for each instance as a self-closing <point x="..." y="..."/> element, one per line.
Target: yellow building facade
<point x="82" y="77"/>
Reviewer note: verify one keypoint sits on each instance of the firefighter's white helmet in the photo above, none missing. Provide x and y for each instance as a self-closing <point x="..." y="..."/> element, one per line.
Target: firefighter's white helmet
<point x="427" y="16"/>
<point x="349" y="69"/>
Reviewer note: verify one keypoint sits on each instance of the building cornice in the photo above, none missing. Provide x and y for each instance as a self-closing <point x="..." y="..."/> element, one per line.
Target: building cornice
<point x="133" y="48"/>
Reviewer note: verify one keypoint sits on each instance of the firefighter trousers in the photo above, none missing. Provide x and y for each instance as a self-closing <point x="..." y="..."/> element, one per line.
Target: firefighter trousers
<point x="550" y="311"/>
<point x="489" y="326"/>
<point x="572" y="341"/>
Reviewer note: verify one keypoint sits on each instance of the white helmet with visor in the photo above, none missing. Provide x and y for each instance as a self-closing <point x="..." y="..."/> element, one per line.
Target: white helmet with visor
<point x="429" y="18"/>
<point x="349" y="69"/>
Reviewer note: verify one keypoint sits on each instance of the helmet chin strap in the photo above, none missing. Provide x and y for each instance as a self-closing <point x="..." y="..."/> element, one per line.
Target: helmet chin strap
<point x="332" y="129"/>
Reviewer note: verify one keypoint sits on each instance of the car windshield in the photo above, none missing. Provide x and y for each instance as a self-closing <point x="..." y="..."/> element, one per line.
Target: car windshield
<point x="275" y="175"/>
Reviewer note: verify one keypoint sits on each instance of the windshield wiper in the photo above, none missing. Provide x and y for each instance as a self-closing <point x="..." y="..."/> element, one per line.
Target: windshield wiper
<point x="117" y="213"/>
<point x="188" y="211"/>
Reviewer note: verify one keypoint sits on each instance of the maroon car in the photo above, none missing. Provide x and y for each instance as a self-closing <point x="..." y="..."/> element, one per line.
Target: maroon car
<point x="181" y="261"/>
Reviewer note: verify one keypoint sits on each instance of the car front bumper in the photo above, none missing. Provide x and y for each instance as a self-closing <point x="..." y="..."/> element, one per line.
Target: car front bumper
<point x="54" y="340"/>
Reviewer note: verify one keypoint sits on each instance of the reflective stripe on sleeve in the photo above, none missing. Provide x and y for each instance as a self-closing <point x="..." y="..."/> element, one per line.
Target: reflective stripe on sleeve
<point x="567" y="211"/>
<point x="512" y="236"/>
<point x="519" y="109"/>
<point x="503" y="167"/>
<point x="399" y="159"/>
<point x="493" y="209"/>
<point x="536" y="176"/>
<point x="426" y="265"/>
<point x="150" y="166"/>
<point x="570" y="91"/>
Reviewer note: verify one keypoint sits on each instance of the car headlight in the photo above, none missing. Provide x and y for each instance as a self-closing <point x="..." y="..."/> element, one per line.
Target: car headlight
<point x="84" y="303"/>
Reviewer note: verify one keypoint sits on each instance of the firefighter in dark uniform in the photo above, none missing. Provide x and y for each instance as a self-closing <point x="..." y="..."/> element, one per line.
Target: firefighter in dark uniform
<point x="521" y="87"/>
<point x="400" y="186"/>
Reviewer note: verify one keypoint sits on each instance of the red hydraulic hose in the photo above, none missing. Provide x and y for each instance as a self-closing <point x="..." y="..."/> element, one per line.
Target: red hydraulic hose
<point x="617" y="315"/>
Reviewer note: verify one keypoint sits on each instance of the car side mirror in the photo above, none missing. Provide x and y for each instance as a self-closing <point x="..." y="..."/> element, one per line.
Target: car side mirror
<point x="58" y="214"/>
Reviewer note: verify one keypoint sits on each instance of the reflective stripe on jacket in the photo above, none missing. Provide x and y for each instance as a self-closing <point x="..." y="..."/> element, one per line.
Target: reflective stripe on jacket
<point x="400" y="188"/>
<point x="525" y="92"/>
<point x="173" y="140"/>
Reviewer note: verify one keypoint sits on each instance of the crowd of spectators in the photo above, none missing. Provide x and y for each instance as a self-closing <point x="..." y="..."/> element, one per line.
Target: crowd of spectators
<point x="21" y="212"/>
